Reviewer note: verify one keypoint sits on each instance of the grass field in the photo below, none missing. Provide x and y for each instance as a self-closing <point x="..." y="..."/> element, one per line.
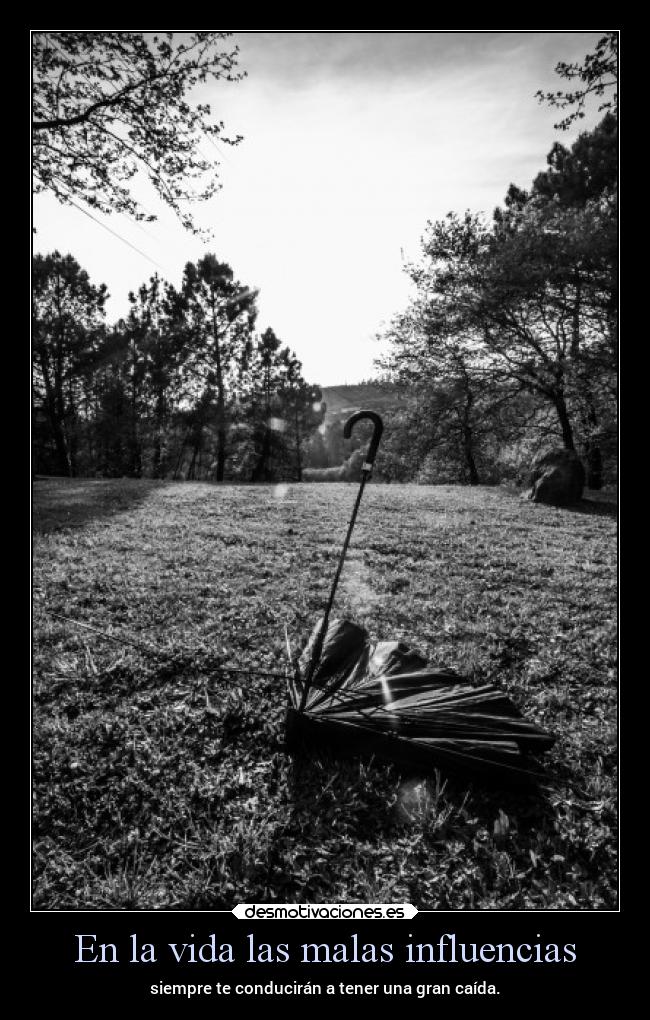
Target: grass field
<point x="160" y="784"/>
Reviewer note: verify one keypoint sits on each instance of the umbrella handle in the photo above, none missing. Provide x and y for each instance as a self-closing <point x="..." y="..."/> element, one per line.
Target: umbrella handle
<point x="376" y="435"/>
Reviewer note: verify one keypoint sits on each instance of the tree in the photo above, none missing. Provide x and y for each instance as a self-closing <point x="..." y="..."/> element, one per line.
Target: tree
<point x="68" y="315"/>
<point x="157" y="339"/>
<point x="597" y="74"/>
<point x="265" y="381"/>
<point x="576" y="205"/>
<point x="583" y="172"/>
<point x="542" y="301"/>
<point x="112" y="421"/>
<point x="525" y="304"/>
<point x="221" y="314"/>
<point x="179" y="386"/>
<point x="452" y="398"/>
<point x="303" y="408"/>
<point x="281" y="410"/>
<point x="109" y="104"/>
<point x="539" y="285"/>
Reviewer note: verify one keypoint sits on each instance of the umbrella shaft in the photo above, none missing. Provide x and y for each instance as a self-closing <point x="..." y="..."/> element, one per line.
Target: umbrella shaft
<point x="318" y="646"/>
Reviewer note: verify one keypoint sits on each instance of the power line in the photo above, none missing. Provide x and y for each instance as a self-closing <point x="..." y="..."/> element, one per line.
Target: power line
<point x="110" y="230"/>
<point x="115" y="234"/>
<point x="219" y="151"/>
<point x="123" y="639"/>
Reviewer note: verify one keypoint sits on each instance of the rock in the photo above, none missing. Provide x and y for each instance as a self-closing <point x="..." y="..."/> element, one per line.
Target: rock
<point x="349" y="471"/>
<point x="557" y="477"/>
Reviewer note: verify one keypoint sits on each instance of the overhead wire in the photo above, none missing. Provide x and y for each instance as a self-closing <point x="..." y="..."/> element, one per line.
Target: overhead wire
<point x="116" y="234"/>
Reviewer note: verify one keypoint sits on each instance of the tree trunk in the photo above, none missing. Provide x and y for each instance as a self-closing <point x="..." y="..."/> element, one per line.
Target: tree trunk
<point x="59" y="398"/>
<point x="261" y="472"/>
<point x="59" y="403"/>
<point x="594" y="464"/>
<point x="71" y="422"/>
<point x="221" y="398"/>
<point x="575" y="326"/>
<point x="221" y="453"/>
<point x="190" y="471"/>
<point x="471" y="465"/>
<point x="467" y="432"/>
<point x="89" y="431"/>
<point x="179" y="460"/>
<point x="55" y="423"/>
<point x="157" y="454"/>
<point x="565" y="423"/>
<point x="298" y="450"/>
<point x="593" y="455"/>
<point x="468" y="451"/>
<point x="136" y="449"/>
<point x="158" y="465"/>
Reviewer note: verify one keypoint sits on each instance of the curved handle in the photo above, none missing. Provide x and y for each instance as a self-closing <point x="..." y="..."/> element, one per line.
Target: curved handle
<point x="376" y="435"/>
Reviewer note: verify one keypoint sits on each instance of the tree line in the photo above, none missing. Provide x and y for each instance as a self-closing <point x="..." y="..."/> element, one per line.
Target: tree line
<point x="510" y="341"/>
<point x="182" y="387"/>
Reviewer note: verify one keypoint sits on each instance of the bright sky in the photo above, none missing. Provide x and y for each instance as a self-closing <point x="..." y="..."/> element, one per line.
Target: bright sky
<point x="352" y="142"/>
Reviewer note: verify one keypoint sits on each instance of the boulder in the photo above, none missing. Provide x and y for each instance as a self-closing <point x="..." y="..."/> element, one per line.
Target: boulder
<point x="557" y="477"/>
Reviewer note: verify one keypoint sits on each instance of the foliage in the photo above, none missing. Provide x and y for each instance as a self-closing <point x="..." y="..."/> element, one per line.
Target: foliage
<point x="67" y="338"/>
<point x="109" y="104"/>
<point x="161" y="783"/>
<point x="152" y="369"/>
<point x="585" y="172"/>
<point x="303" y="409"/>
<point x="220" y="315"/>
<point x="182" y="387"/>
<point x="596" y="75"/>
<point x="517" y="317"/>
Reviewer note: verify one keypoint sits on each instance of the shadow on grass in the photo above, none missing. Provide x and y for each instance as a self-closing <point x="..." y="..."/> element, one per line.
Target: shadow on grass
<point x="59" y="503"/>
<point x="352" y="785"/>
<point x="435" y="822"/>
<point x="595" y="508"/>
<point x="368" y="789"/>
<point x="593" y="505"/>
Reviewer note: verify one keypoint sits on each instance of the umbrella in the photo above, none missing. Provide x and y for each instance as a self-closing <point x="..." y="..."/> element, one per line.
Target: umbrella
<point x="384" y="699"/>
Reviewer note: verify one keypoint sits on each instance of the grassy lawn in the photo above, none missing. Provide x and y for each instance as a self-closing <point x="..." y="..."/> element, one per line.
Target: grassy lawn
<point x="160" y="783"/>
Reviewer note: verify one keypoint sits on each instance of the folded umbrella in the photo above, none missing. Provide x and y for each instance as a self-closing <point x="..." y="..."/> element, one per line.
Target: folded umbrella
<point x="384" y="700"/>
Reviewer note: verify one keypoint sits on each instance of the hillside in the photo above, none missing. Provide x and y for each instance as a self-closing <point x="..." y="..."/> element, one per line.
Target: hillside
<point x="342" y="401"/>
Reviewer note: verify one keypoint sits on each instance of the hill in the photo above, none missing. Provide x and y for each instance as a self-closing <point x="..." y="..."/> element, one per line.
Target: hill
<point x="343" y="401"/>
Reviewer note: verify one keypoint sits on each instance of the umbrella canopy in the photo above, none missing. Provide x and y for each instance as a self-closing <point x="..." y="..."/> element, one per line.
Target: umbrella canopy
<point x="385" y="700"/>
